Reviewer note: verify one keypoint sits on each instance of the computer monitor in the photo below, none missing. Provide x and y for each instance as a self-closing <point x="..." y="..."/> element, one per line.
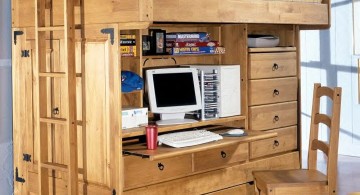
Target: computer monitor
<point x="173" y="92"/>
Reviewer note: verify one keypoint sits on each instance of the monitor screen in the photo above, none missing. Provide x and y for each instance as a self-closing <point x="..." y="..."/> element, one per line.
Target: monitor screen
<point x="174" y="89"/>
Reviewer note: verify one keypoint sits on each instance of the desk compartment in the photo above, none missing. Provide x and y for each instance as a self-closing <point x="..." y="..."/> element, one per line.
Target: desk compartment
<point x="220" y="156"/>
<point x="139" y="171"/>
<point x="271" y="65"/>
<point x="267" y="91"/>
<point x="285" y="141"/>
<point x="273" y="116"/>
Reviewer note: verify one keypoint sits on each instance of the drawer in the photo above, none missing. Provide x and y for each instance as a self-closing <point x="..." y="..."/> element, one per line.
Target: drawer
<point x="220" y="156"/>
<point x="267" y="91"/>
<point x="273" y="116"/>
<point x="271" y="65"/>
<point x="285" y="141"/>
<point x="139" y="172"/>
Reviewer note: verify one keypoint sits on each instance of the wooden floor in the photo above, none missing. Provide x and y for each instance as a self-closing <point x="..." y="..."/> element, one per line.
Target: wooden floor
<point x="348" y="173"/>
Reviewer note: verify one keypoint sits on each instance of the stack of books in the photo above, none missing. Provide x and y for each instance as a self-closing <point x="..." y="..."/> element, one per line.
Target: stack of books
<point x="128" y="45"/>
<point x="181" y="43"/>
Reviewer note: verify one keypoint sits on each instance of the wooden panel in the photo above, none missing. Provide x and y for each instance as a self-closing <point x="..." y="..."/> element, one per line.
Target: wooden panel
<point x="241" y="11"/>
<point x="140" y="172"/>
<point x="219" y="157"/>
<point x="270" y="65"/>
<point x="23" y="12"/>
<point x="22" y="108"/>
<point x="273" y="116"/>
<point x="285" y="141"/>
<point x="266" y="91"/>
<point x="218" y="179"/>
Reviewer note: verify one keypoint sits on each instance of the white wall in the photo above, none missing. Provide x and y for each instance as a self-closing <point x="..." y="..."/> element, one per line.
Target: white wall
<point x="6" y="151"/>
<point x="327" y="58"/>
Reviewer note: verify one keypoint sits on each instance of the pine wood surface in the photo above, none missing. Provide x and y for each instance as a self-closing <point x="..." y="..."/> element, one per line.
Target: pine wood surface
<point x="271" y="65"/>
<point x="311" y="180"/>
<point x="273" y="116"/>
<point x="164" y="151"/>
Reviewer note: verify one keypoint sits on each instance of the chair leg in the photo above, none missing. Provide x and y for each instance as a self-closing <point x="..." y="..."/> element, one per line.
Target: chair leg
<point x="257" y="191"/>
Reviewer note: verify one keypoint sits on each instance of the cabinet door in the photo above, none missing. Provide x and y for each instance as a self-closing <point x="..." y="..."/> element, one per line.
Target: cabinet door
<point x="22" y="59"/>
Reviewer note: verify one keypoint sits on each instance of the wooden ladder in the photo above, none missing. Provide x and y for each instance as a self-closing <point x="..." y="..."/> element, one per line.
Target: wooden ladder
<point x="45" y="118"/>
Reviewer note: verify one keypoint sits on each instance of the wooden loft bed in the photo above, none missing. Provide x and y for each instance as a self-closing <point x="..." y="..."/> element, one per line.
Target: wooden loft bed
<point x="305" y="12"/>
<point x="102" y="169"/>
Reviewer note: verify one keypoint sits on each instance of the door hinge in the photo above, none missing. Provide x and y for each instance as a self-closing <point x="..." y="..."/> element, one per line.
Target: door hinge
<point x="109" y="31"/>
<point x="27" y="157"/>
<point x="25" y="53"/>
<point x="114" y="192"/>
<point x="17" y="178"/>
<point x="17" y="33"/>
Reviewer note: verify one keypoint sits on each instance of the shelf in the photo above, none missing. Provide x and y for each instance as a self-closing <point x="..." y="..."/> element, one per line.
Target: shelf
<point x="141" y="130"/>
<point x="162" y="152"/>
<point x="271" y="49"/>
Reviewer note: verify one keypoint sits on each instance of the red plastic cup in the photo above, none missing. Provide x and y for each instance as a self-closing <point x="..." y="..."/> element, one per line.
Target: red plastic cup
<point x="151" y="137"/>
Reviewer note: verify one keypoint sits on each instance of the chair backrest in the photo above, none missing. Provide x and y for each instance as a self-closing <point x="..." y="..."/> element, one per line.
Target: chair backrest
<point x="333" y="122"/>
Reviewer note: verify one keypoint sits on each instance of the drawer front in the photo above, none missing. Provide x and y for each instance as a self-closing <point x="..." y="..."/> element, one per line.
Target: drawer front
<point x="271" y="65"/>
<point x="267" y="91"/>
<point x="139" y="172"/>
<point x="220" y="156"/>
<point x="273" y="116"/>
<point x="285" y="141"/>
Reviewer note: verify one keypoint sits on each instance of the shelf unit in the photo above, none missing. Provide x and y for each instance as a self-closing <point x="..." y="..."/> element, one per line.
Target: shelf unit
<point x="102" y="167"/>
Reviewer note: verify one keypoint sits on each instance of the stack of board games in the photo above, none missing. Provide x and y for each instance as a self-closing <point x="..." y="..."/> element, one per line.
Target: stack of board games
<point x="181" y="43"/>
<point x="128" y="45"/>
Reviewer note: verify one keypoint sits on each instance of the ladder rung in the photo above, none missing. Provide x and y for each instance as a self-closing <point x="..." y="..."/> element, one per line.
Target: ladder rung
<point x="60" y="121"/>
<point x="51" y="28"/>
<point x="55" y="166"/>
<point x="52" y="74"/>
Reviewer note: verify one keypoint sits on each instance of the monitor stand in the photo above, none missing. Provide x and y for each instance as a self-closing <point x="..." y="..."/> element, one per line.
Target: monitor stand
<point x="174" y="119"/>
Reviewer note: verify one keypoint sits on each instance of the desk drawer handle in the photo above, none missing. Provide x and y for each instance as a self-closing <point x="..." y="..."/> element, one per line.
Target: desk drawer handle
<point x="275" y="67"/>
<point x="161" y="166"/>
<point x="276" y="143"/>
<point x="276" y="118"/>
<point x="223" y="154"/>
<point x="56" y="111"/>
<point x="276" y="92"/>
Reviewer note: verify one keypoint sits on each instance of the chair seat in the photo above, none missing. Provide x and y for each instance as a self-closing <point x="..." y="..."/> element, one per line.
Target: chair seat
<point x="266" y="180"/>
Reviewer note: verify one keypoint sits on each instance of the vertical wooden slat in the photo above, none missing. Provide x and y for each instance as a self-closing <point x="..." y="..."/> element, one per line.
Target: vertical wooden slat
<point x="40" y="91"/>
<point x="69" y="54"/>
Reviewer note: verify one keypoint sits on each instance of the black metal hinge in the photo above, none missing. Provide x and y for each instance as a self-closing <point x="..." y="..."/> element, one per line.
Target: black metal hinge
<point x="109" y="31"/>
<point x="114" y="192"/>
<point x="17" y="33"/>
<point x="27" y="157"/>
<point x="17" y="178"/>
<point x="25" y="53"/>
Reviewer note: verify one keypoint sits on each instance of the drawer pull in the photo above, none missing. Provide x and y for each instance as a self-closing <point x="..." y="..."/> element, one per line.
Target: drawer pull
<point x="276" y="118"/>
<point x="276" y="92"/>
<point x="275" y="67"/>
<point x="276" y="143"/>
<point x="223" y="154"/>
<point x="161" y="166"/>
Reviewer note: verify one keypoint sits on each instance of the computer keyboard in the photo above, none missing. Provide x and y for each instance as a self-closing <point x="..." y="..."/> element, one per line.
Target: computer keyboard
<point x="188" y="138"/>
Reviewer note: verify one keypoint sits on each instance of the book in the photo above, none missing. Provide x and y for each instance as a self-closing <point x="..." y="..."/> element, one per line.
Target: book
<point x="127" y="42"/>
<point x="192" y="44"/>
<point x="126" y="36"/>
<point x="188" y="36"/>
<point x="195" y="50"/>
<point x="128" y="50"/>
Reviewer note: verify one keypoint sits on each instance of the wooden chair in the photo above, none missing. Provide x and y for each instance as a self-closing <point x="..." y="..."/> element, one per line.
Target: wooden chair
<point x="309" y="181"/>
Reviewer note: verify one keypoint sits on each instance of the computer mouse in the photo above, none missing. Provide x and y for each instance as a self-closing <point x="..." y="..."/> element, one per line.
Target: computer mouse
<point x="235" y="132"/>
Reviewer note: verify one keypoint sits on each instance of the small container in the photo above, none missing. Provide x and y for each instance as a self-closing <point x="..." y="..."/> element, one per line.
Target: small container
<point x="151" y="137"/>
